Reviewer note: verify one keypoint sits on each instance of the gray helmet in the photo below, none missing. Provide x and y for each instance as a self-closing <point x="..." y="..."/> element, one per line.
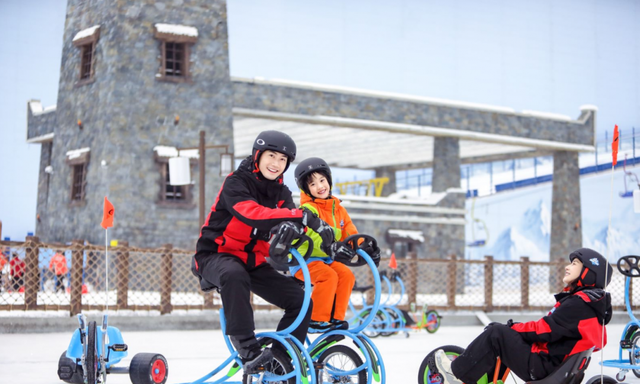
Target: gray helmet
<point x="594" y="266"/>
<point x="273" y="141"/>
<point x="308" y="167"/>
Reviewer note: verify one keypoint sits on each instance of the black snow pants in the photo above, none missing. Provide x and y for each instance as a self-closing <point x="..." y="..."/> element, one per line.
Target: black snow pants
<point x="236" y="281"/>
<point x="500" y="340"/>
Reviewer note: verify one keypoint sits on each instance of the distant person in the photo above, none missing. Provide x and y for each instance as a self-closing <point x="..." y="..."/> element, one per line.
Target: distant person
<point x="533" y="350"/>
<point x="3" y="262"/>
<point x="17" y="266"/>
<point x="332" y="282"/>
<point x="58" y="265"/>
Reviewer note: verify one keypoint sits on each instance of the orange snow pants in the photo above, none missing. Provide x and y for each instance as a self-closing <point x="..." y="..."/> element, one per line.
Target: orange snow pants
<point x="329" y="281"/>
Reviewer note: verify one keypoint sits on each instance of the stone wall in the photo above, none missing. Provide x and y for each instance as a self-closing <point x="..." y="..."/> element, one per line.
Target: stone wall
<point x="126" y="111"/>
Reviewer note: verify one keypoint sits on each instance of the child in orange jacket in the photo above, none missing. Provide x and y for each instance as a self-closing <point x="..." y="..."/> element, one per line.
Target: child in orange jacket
<point x="332" y="281"/>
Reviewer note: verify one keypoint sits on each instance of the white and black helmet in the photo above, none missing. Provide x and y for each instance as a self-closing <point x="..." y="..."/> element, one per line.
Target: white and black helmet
<point x="308" y="167"/>
<point x="274" y="141"/>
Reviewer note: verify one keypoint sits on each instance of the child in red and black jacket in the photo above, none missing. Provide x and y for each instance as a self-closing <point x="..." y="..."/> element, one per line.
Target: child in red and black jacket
<point x="533" y="350"/>
<point x="234" y="242"/>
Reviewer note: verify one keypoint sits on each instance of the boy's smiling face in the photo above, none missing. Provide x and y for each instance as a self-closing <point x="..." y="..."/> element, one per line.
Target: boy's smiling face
<point x="272" y="164"/>
<point x="319" y="186"/>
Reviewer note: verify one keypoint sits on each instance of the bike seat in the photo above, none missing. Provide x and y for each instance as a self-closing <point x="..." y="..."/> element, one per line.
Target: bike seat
<point x="571" y="371"/>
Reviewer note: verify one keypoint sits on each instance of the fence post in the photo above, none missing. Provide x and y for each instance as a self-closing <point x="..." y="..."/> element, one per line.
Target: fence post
<point x="488" y="283"/>
<point x="451" y="282"/>
<point x="524" y="282"/>
<point x="31" y="279"/>
<point x="166" y="269"/>
<point x="75" y="287"/>
<point x="122" y="263"/>
<point x="412" y="278"/>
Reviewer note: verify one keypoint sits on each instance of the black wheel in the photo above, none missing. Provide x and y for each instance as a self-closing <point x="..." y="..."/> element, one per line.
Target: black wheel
<point x="340" y="358"/>
<point x="91" y="357"/>
<point x="605" y="380"/>
<point x="279" y="366"/>
<point x="148" y="368"/>
<point x="427" y="375"/>
<point x="394" y="322"/>
<point x="69" y="371"/>
<point x="433" y="321"/>
<point x="634" y="353"/>
<point x="379" y="322"/>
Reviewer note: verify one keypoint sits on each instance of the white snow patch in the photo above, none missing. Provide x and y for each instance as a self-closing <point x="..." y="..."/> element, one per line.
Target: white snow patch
<point x="86" y="32"/>
<point x="407" y="234"/>
<point x="177" y="29"/>
<point x="77" y="153"/>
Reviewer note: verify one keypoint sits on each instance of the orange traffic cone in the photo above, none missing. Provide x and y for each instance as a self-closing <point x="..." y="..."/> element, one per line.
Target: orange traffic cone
<point x="392" y="263"/>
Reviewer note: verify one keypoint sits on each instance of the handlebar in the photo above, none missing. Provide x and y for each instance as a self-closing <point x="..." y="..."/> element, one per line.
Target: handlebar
<point x="628" y="265"/>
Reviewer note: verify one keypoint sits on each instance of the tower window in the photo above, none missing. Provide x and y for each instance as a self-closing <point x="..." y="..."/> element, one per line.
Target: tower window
<point x="85" y="41"/>
<point x="78" y="159"/>
<point x="174" y="196"/>
<point x="175" y="50"/>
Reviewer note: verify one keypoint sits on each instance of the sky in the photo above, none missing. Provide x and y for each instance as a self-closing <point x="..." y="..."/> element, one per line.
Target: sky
<point x="543" y="55"/>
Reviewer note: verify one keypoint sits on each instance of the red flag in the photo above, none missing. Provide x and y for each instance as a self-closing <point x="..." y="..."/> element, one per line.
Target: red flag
<point x="392" y="263"/>
<point x="614" y="146"/>
<point x="107" y="214"/>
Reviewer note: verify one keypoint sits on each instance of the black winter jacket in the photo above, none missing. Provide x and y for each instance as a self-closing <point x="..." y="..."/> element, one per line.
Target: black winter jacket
<point x="573" y="325"/>
<point x="245" y="210"/>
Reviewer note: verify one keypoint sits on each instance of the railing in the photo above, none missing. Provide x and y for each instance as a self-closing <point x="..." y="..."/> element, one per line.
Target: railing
<point x="370" y="187"/>
<point x="160" y="279"/>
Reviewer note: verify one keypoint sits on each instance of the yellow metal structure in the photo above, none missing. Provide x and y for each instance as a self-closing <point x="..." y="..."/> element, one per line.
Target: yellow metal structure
<point x="372" y="187"/>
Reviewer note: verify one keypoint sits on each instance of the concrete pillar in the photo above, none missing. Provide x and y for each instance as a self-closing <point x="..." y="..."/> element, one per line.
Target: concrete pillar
<point x="390" y="187"/>
<point x="446" y="164"/>
<point x="566" y="217"/>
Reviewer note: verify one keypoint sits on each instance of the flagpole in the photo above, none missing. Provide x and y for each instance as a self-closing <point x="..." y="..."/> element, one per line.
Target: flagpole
<point x="614" y="160"/>
<point x="106" y="261"/>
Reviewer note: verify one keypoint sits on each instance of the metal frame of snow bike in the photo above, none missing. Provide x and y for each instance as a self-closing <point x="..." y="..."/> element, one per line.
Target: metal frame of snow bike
<point x="303" y="369"/>
<point x="630" y="339"/>
<point x="373" y="360"/>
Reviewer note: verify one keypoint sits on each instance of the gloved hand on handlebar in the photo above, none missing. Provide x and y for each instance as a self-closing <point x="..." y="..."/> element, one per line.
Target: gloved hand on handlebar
<point x="311" y="220"/>
<point x="341" y="252"/>
<point x="371" y="250"/>
<point x="285" y="233"/>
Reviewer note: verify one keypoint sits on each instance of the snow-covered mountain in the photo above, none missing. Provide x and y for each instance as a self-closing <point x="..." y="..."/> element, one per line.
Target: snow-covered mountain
<point x="522" y="221"/>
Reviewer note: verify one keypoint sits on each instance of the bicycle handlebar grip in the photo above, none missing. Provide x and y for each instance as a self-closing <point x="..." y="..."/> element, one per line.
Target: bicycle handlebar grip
<point x="628" y="265"/>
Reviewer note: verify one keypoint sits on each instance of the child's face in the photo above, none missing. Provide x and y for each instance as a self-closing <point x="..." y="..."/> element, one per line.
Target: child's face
<point x="272" y="164"/>
<point x="572" y="271"/>
<point x="319" y="186"/>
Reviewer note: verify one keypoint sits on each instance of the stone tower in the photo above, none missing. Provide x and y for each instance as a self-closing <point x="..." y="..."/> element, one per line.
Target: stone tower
<point x="139" y="79"/>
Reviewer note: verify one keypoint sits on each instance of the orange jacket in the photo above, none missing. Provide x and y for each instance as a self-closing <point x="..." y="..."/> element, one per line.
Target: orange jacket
<point x="333" y="213"/>
<point x="58" y="264"/>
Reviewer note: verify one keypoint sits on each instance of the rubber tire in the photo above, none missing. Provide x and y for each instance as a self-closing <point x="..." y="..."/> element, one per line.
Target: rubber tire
<point x="76" y="377"/>
<point x="635" y="351"/>
<point x="378" y="322"/>
<point x="394" y="321"/>
<point x="281" y="365"/>
<point x="143" y="365"/>
<point x="605" y="380"/>
<point x="432" y="329"/>
<point x="91" y="359"/>
<point x="425" y="372"/>
<point x="347" y="353"/>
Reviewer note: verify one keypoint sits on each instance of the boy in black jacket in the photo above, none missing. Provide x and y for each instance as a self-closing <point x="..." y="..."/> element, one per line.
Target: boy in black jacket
<point x="233" y="244"/>
<point x="533" y="350"/>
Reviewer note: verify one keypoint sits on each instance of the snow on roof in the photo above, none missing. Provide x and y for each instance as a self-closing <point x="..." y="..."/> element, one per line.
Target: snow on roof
<point x="588" y="107"/>
<point x="177" y="29"/>
<point x="166" y="151"/>
<point x="86" y="32"/>
<point x="77" y="152"/>
<point x="546" y="115"/>
<point x="41" y="139"/>
<point x="407" y="234"/>
<point x="36" y="108"/>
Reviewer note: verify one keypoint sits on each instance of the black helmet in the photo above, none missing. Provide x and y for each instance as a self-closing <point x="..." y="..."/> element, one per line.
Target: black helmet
<point x="273" y="141"/>
<point x="593" y="268"/>
<point x="308" y="167"/>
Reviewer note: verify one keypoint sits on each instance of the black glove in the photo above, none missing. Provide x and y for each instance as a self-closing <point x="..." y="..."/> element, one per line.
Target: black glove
<point x="309" y="219"/>
<point x="371" y="250"/>
<point x="509" y="324"/>
<point x="285" y="233"/>
<point x="342" y="252"/>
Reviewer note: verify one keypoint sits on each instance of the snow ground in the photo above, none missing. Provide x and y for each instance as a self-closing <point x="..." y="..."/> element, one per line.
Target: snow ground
<point x="33" y="358"/>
